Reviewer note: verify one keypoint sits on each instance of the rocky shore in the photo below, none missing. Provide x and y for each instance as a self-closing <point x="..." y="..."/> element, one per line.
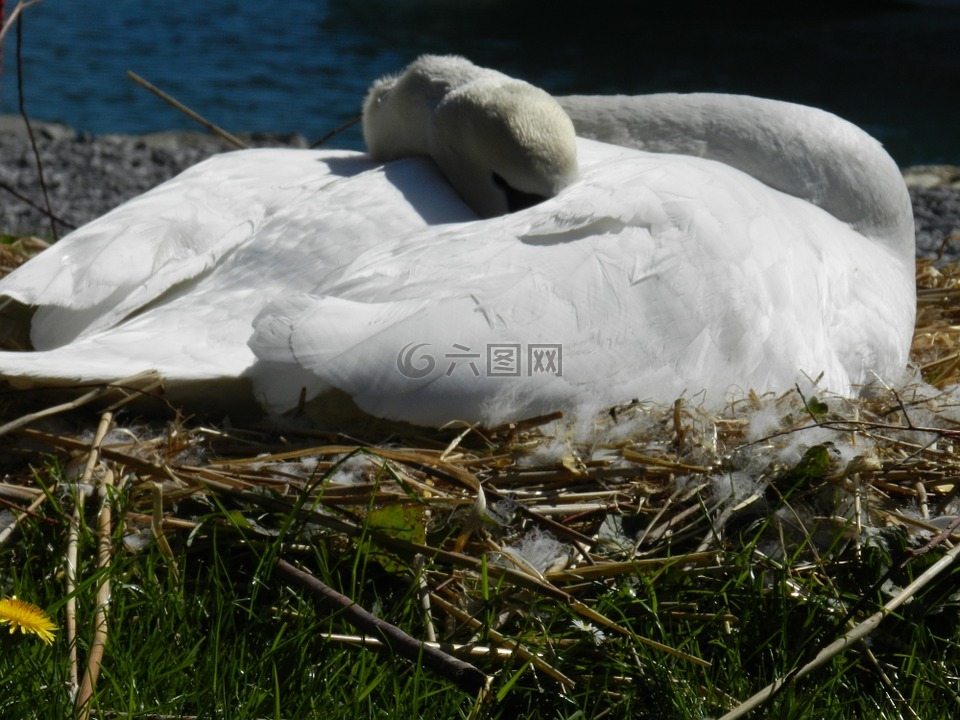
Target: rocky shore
<point x="87" y="175"/>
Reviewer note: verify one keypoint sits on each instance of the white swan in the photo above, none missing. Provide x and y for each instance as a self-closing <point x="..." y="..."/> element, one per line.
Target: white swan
<point x="648" y="276"/>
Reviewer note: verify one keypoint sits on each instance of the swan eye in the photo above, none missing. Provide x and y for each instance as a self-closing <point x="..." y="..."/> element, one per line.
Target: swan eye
<point x="516" y="199"/>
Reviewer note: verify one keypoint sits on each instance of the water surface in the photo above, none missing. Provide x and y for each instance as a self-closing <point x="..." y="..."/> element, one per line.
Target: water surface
<point x="304" y="65"/>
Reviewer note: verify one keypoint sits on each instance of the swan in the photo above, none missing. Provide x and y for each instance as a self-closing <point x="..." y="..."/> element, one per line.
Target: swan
<point x="483" y="264"/>
<point x="173" y="279"/>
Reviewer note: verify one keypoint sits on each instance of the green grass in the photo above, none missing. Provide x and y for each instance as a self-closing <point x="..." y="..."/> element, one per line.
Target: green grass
<point x="208" y="627"/>
<point x="223" y="637"/>
<point x="224" y="640"/>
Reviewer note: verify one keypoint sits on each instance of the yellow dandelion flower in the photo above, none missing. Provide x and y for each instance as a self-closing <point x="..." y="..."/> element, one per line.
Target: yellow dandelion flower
<point x="29" y="618"/>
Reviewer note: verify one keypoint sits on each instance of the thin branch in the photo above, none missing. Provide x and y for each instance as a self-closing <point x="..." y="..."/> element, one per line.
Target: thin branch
<point x="337" y="130"/>
<point x="18" y="517"/>
<point x="36" y="206"/>
<point x="33" y="140"/>
<point x="461" y="673"/>
<point x="452" y="648"/>
<point x="215" y="129"/>
<point x="423" y="592"/>
<point x="856" y="634"/>
<point x="156" y="525"/>
<point x="104" y="532"/>
<point x="514" y="646"/>
<point x="73" y="538"/>
<point x="149" y="379"/>
<point x="21" y="6"/>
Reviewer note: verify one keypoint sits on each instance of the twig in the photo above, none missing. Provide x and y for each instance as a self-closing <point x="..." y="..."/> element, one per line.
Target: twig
<point x="73" y="538"/>
<point x="98" y="645"/>
<point x="36" y="206"/>
<point x="18" y="518"/>
<point x="854" y="635"/>
<point x="638" y="457"/>
<point x="512" y="428"/>
<point x="26" y="119"/>
<point x="516" y="647"/>
<point x="452" y="648"/>
<point x="423" y="592"/>
<point x="461" y="673"/>
<point x="21" y="6"/>
<point x="337" y="130"/>
<point x="54" y="410"/>
<point x="894" y="695"/>
<point x="215" y="129"/>
<point x="150" y="380"/>
<point x="156" y="525"/>
<point x="70" y="583"/>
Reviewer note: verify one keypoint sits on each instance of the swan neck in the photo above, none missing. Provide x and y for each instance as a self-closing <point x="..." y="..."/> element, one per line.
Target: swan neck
<point x="802" y="151"/>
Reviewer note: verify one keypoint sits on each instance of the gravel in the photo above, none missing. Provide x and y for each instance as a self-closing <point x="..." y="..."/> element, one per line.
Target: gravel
<point x="87" y="175"/>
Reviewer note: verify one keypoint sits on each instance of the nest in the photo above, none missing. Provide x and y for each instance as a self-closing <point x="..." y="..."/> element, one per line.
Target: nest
<point x="542" y="509"/>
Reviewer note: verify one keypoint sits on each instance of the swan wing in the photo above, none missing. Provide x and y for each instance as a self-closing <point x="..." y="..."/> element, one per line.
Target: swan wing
<point x="169" y="238"/>
<point x="252" y="218"/>
<point x="187" y="314"/>
<point x="644" y="279"/>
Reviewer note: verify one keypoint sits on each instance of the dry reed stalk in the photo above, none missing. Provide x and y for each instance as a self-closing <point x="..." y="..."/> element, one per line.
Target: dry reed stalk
<point x="12" y="18"/>
<point x="508" y="644"/>
<point x="18" y="517"/>
<point x="70" y="583"/>
<point x="455" y="649"/>
<point x="855" y="634"/>
<point x="128" y="388"/>
<point x="423" y="592"/>
<point x="104" y="555"/>
<point x="156" y="527"/>
<point x="73" y="538"/>
<point x="14" y="254"/>
<point x="336" y="131"/>
<point x="463" y="674"/>
<point x="215" y="129"/>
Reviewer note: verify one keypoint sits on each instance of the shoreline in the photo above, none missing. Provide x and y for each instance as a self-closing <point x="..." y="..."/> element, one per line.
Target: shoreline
<point x="88" y="175"/>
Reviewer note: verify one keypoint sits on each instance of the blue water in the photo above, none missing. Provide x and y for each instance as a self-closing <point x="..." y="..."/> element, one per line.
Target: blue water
<point x="304" y="65"/>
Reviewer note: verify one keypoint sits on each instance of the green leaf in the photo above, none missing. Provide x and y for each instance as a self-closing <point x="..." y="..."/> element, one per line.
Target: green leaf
<point x="812" y="468"/>
<point x="817" y="408"/>
<point x="404" y="522"/>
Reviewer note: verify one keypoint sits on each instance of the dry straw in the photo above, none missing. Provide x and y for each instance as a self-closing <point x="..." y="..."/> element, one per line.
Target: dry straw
<point x="480" y="496"/>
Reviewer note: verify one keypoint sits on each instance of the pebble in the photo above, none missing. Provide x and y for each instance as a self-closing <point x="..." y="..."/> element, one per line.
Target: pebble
<point x="88" y="175"/>
<point x="935" y="191"/>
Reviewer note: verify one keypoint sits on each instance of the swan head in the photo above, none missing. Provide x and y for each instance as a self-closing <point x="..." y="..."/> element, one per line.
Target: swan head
<point x="502" y="143"/>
